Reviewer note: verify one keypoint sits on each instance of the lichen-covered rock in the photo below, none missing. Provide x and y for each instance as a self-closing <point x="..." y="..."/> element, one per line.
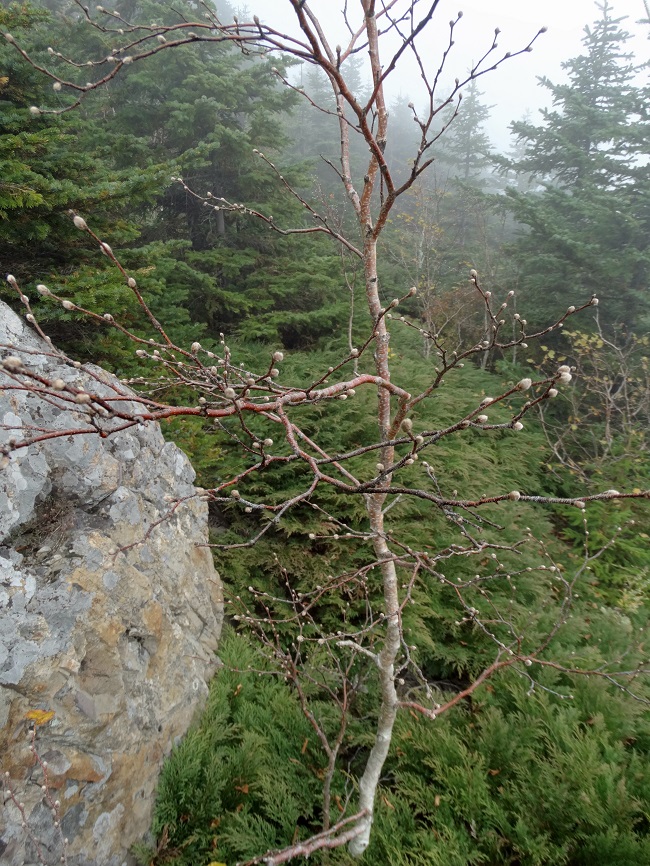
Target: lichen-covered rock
<point x="110" y="611"/>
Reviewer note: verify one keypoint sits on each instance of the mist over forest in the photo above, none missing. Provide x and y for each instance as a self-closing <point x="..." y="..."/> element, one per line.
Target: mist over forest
<point x="214" y="174"/>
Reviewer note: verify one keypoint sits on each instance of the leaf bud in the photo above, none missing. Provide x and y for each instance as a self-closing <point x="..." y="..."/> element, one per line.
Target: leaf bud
<point x="67" y="305"/>
<point x="565" y="378"/>
<point x="82" y="397"/>
<point x="235" y="494"/>
<point x="58" y="384"/>
<point x="517" y="425"/>
<point x="524" y="384"/>
<point x="354" y="352"/>
<point x="552" y="392"/>
<point x="161" y="38"/>
<point x="407" y="425"/>
<point x="9" y="37"/>
<point x="195" y="347"/>
<point x="379" y="467"/>
<point x="275" y="372"/>
<point x="43" y="290"/>
<point x="278" y="356"/>
<point x="12" y="363"/>
<point x="56" y="86"/>
<point x="579" y="503"/>
<point x="594" y="302"/>
<point x="482" y="419"/>
<point x="486" y="401"/>
<point x="571" y="309"/>
<point x="80" y="222"/>
<point x="108" y="318"/>
<point x="412" y="291"/>
<point x="230" y="393"/>
<point x="473" y="274"/>
<point x="268" y="442"/>
<point x="515" y="495"/>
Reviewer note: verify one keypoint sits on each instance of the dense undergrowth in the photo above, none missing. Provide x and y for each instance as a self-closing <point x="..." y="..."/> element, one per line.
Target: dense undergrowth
<point x="514" y="775"/>
<point x="509" y="777"/>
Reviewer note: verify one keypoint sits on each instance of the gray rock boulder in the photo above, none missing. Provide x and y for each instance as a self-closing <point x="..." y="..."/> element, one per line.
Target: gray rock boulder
<point x="110" y="611"/>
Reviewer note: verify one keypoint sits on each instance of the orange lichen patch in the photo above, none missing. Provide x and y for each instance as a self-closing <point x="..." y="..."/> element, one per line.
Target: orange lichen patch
<point x="40" y="717"/>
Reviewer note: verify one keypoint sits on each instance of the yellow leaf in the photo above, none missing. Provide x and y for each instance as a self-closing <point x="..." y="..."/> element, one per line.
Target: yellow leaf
<point x="40" y="717"/>
<point x="214" y="863"/>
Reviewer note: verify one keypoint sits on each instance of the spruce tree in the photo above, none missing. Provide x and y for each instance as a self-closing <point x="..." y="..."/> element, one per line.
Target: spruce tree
<point x="588" y="220"/>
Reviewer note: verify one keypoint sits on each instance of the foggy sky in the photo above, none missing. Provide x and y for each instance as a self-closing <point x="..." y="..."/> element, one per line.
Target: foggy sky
<point x="513" y="89"/>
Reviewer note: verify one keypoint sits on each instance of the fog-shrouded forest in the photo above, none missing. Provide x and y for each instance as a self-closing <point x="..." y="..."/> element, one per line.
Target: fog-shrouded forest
<point x="392" y="251"/>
